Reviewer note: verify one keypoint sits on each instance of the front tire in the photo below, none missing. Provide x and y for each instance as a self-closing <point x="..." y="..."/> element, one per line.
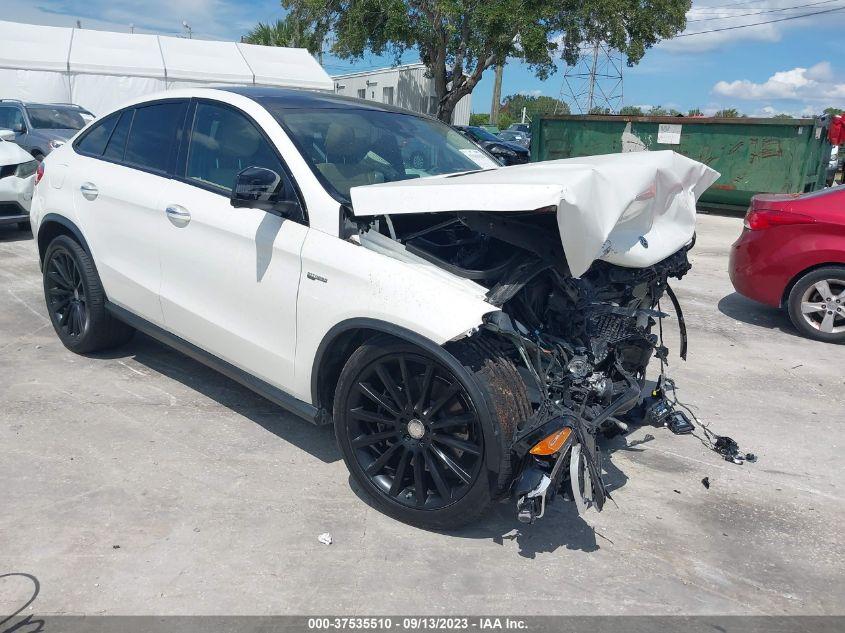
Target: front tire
<point x="816" y="304"/>
<point x="416" y="434"/>
<point x="76" y="300"/>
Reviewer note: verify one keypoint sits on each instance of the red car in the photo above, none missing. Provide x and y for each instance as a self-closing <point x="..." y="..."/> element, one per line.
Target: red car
<point x="791" y="254"/>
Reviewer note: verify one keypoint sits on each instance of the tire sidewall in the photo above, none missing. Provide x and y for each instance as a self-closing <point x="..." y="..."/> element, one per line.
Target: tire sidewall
<point x="474" y="501"/>
<point x="794" y="303"/>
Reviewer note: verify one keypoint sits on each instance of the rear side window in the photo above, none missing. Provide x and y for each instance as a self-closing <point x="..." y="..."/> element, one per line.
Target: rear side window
<point x="95" y="139"/>
<point x="152" y="138"/>
<point x="117" y="142"/>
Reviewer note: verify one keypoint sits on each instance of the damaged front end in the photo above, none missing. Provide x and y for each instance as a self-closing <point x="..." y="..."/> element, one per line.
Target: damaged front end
<point x="582" y="344"/>
<point x="585" y="344"/>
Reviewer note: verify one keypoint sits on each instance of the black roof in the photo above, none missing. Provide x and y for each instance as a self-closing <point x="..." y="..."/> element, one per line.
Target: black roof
<point x="294" y="98"/>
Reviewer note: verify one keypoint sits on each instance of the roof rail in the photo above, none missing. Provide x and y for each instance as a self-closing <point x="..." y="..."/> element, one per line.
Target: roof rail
<point x="12" y="100"/>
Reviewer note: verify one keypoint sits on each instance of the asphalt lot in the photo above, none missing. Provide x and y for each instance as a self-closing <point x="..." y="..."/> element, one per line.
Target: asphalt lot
<point x="215" y="497"/>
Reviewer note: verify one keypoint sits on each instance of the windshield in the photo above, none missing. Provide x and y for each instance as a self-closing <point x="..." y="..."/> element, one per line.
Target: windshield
<point x="56" y="118"/>
<point x="481" y="133"/>
<point x="349" y="148"/>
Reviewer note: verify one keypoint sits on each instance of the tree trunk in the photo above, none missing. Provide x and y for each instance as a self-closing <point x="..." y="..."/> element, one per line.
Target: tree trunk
<point x="497" y="96"/>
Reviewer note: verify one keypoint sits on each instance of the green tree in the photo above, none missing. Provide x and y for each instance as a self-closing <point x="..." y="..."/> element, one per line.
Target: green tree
<point x="782" y="115"/>
<point x="727" y="113"/>
<point x="599" y="110"/>
<point x="505" y="120"/>
<point x="479" y="119"/>
<point x="535" y="106"/>
<point x="832" y="111"/>
<point x="631" y="111"/>
<point x="695" y="112"/>
<point x="291" y="31"/>
<point x="458" y="40"/>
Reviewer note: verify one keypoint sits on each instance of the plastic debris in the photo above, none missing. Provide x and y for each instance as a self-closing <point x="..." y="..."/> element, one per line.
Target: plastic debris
<point x="325" y="538"/>
<point x="706" y="482"/>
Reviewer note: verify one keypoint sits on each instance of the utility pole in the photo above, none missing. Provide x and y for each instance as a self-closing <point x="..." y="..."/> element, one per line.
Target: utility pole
<point x="188" y="29"/>
<point x="131" y="28"/>
<point x="79" y="24"/>
<point x="497" y="96"/>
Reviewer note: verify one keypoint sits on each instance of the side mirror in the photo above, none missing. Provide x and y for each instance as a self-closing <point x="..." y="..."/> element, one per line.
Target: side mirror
<point x="262" y="188"/>
<point x="19" y="128"/>
<point x="7" y="135"/>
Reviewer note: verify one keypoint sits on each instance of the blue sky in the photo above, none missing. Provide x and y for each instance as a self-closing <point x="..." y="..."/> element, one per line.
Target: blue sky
<point x="796" y="66"/>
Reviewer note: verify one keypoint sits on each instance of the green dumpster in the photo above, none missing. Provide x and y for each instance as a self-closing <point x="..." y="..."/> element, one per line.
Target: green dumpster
<point x="753" y="155"/>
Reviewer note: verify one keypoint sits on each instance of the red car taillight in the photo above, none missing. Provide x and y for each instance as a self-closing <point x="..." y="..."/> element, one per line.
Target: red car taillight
<point x="39" y="173"/>
<point x="759" y="219"/>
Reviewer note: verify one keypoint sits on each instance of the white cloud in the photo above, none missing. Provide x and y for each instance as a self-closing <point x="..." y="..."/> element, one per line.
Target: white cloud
<point x="714" y="15"/>
<point x="210" y="19"/>
<point x="803" y="84"/>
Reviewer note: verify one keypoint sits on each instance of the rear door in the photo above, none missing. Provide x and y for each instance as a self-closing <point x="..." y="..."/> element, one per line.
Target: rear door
<point x="118" y="196"/>
<point x="230" y="276"/>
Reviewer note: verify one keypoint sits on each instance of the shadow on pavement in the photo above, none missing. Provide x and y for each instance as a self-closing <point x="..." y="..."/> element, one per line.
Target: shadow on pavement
<point x="11" y="233"/>
<point x="318" y="441"/>
<point x="747" y="311"/>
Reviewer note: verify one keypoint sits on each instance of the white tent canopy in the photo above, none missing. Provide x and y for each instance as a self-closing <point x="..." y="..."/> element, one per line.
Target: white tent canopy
<point x="99" y="70"/>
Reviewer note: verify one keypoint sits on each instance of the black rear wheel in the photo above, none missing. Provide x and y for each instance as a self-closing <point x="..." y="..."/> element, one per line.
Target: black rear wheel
<point x="414" y="434"/>
<point x="76" y="300"/>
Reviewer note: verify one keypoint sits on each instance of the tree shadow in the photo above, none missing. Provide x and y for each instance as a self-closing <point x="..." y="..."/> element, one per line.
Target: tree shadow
<point x="318" y="441"/>
<point x="750" y="312"/>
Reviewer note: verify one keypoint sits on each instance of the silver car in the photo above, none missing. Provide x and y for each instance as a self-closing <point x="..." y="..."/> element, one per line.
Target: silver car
<point x="42" y="127"/>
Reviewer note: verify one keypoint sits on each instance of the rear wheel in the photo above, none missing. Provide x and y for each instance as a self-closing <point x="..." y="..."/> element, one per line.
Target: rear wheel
<point x="816" y="304"/>
<point x="76" y="300"/>
<point x="416" y="435"/>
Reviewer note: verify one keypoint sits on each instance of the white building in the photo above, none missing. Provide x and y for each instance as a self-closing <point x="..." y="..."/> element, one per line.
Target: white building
<point x="100" y="70"/>
<point x="404" y="86"/>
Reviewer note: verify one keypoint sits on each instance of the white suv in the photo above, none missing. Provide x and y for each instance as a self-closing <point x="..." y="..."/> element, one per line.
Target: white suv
<point x="467" y="328"/>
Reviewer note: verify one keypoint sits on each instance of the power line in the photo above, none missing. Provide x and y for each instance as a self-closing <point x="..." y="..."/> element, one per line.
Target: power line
<point x="745" y="26"/>
<point x="741" y="15"/>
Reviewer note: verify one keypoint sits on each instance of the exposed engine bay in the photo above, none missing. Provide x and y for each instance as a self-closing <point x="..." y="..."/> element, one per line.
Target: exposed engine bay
<point x="582" y="344"/>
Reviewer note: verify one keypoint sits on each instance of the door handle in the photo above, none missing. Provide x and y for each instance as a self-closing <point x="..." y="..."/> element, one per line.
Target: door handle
<point x="178" y="215"/>
<point x="89" y="190"/>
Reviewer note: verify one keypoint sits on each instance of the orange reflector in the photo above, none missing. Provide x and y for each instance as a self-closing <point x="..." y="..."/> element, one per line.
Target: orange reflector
<point x="551" y="444"/>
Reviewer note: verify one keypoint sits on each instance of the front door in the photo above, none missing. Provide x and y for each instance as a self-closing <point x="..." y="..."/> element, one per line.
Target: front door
<point x="230" y="276"/>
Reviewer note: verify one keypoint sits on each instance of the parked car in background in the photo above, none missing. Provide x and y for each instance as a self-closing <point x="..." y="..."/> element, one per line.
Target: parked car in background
<point x="525" y="128"/>
<point x="42" y="127"/>
<point x="511" y="136"/>
<point x="17" y="172"/>
<point x="507" y="153"/>
<point x="791" y="254"/>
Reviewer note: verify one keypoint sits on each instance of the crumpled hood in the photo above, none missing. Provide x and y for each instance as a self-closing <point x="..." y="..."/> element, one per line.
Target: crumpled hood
<point x="633" y="209"/>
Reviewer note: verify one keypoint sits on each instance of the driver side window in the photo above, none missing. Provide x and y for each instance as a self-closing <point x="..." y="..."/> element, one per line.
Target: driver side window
<point x="223" y="143"/>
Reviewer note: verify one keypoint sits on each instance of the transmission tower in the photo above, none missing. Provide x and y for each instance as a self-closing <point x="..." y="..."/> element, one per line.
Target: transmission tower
<point x="595" y="81"/>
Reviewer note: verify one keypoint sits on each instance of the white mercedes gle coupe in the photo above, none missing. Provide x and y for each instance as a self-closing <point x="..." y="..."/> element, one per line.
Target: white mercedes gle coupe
<point x="467" y="328"/>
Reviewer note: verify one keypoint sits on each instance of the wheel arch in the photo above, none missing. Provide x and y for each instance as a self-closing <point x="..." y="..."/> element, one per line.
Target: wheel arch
<point x="344" y="338"/>
<point x="52" y="225"/>
<point x="791" y="284"/>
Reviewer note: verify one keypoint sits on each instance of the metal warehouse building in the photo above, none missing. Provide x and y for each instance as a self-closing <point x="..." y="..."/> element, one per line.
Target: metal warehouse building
<point x="404" y="86"/>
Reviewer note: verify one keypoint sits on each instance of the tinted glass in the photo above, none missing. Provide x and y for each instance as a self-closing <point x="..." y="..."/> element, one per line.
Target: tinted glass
<point x="361" y="147"/>
<point x="224" y="142"/>
<point x="55" y="118"/>
<point x="95" y="139"/>
<point x="10" y="118"/>
<point x="482" y="134"/>
<point x="117" y="142"/>
<point x="153" y="135"/>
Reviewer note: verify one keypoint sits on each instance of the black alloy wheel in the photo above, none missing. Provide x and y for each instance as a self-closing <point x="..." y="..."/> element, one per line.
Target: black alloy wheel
<point x="67" y="298"/>
<point x="76" y="301"/>
<point x="413" y="430"/>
